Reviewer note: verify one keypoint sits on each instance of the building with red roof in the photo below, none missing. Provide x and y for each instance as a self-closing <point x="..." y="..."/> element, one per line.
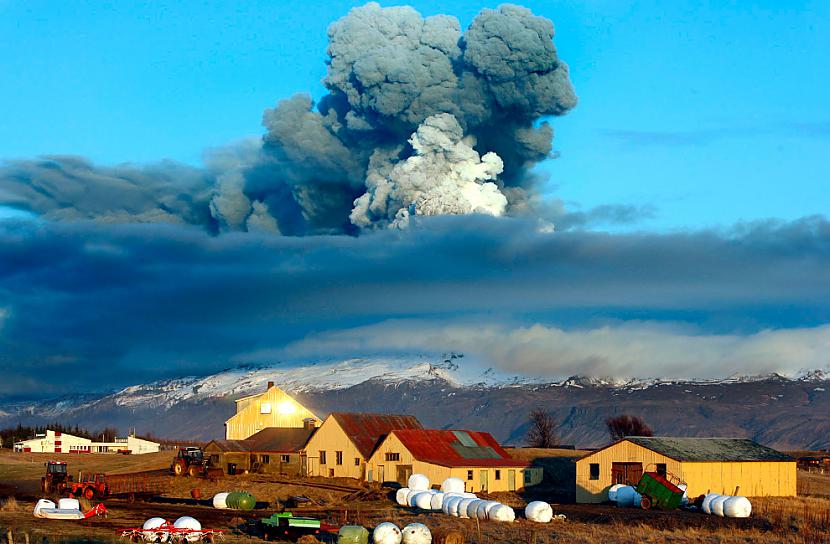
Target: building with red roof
<point x="472" y="456"/>
<point x="344" y="442"/>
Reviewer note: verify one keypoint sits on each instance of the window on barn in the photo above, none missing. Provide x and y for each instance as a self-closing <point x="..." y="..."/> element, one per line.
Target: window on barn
<point x="322" y="457"/>
<point x="594" y="471"/>
<point x="338" y="457"/>
<point x="661" y="469"/>
<point x="265" y="459"/>
<point x="498" y="474"/>
<point x="214" y="460"/>
<point x="393" y="456"/>
<point x="469" y="474"/>
<point x="357" y="461"/>
<point x="285" y="458"/>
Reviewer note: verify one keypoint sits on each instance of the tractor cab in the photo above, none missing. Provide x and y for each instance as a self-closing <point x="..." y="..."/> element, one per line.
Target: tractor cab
<point x="191" y="454"/>
<point x="56" y="467"/>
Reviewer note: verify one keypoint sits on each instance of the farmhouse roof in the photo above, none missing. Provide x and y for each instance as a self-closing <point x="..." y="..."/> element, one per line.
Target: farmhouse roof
<point x="270" y="440"/>
<point x="456" y="448"/>
<point x="366" y="430"/>
<point x="708" y="449"/>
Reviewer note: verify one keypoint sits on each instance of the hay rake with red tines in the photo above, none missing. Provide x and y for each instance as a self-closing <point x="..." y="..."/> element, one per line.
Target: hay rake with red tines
<point x="167" y="533"/>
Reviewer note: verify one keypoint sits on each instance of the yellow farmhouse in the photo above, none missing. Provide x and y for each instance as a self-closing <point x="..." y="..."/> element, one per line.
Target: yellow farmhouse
<point x="345" y="441"/>
<point x="273" y="408"/>
<point x="474" y="457"/>
<point x="708" y="465"/>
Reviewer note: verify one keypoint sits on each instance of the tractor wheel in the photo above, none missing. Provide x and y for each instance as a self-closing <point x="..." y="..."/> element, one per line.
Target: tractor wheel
<point x="89" y="493"/>
<point x="645" y="502"/>
<point x="178" y="469"/>
<point x="193" y="471"/>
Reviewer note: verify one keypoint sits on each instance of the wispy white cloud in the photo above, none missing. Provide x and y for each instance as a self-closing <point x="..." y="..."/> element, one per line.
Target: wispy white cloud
<point x="626" y="349"/>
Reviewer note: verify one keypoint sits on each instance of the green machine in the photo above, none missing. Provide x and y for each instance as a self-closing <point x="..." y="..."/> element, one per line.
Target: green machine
<point x="284" y="526"/>
<point x="660" y="491"/>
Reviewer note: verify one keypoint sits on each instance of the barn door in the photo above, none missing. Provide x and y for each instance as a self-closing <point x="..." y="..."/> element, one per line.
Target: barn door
<point x="404" y="472"/>
<point x="626" y="473"/>
<point x="381" y="474"/>
<point x="511" y="480"/>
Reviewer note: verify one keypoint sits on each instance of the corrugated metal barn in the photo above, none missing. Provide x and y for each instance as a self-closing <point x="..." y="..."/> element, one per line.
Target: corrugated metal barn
<point x="474" y="457"/>
<point x="345" y="441"/>
<point x="717" y="465"/>
<point x="272" y="408"/>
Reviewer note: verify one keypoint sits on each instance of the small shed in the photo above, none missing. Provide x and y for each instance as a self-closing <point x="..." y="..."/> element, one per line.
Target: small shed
<point x="472" y="456"/>
<point x="345" y="441"/>
<point x="708" y="465"/>
<point x="273" y="450"/>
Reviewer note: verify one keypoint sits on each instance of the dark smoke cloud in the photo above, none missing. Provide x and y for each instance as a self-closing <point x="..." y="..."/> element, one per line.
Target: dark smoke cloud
<point x="352" y="161"/>
<point x="96" y="306"/>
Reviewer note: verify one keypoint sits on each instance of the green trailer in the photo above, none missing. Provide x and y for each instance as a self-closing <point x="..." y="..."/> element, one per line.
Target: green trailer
<point x="285" y="526"/>
<point x="661" y="491"/>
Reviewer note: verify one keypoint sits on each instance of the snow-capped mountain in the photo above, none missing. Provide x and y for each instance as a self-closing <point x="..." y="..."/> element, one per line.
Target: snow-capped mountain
<point x="453" y="391"/>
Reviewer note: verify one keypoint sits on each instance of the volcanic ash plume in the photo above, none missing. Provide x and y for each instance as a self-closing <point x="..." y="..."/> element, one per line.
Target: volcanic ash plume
<point x="420" y="119"/>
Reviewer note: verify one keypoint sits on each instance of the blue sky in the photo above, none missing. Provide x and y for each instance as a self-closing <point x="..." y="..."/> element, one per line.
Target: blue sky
<point x="693" y="241"/>
<point x="710" y="112"/>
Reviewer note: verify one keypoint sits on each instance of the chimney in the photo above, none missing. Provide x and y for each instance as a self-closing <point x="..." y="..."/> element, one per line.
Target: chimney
<point x="270" y="385"/>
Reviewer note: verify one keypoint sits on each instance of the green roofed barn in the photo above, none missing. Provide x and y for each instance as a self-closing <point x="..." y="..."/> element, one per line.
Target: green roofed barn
<point x="716" y="465"/>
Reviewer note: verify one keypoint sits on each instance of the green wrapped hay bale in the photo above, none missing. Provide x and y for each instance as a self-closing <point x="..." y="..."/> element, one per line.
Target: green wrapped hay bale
<point x="239" y="500"/>
<point x="353" y="534"/>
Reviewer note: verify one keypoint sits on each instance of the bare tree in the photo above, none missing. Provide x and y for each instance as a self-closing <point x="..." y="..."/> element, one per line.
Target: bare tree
<point x="627" y="425"/>
<point x="542" y="431"/>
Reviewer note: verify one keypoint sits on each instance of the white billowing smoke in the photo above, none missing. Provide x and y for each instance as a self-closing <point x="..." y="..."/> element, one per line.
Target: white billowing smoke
<point x="444" y="176"/>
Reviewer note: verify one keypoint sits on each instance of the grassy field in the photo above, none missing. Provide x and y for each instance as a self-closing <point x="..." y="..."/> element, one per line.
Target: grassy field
<point x="804" y="519"/>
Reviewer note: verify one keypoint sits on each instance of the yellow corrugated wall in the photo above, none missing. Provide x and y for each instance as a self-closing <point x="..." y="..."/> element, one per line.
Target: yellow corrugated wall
<point x="754" y="478"/>
<point x="285" y="412"/>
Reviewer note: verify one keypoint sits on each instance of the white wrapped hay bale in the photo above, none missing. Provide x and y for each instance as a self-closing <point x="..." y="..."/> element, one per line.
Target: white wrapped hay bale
<point x="488" y="508"/>
<point x="416" y="533"/>
<point x="400" y="496"/>
<point x="472" y="508"/>
<point x="706" y="506"/>
<point x="627" y="497"/>
<point x="462" y="507"/>
<point x="220" y="501"/>
<point x="484" y="507"/>
<point x="737" y="507"/>
<point x="452" y="505"/>
<point x="469" y="495"/>
<point x="502" y="512"/>
<point x="436" y="503"/>
<point x="453" y="485"/>
<point x="386" y="533"/>
<point x="41" y="505"/>
<point x="410" y="497"/>
<point x="193" y="525"/>
<point x="717" y="505"/>
<point x="539" y="511"/>
<point x="152" y="530"/>
<point x="612" y="492"/>
<point x="418" y="482"/>
<point x="423" y="500"/>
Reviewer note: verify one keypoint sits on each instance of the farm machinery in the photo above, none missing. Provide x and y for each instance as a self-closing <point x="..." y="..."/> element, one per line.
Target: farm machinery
<point x="285" y="526"/>
<point x="98" y="485"/>
<point x="191" y="461"/>
<point x="663" y="491"/>
<point x="56" y="478"/>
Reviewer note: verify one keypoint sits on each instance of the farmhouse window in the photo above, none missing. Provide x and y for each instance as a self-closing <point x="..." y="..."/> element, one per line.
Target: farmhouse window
<point x="357" y="461"/>
<point x="393" y="456"/>
<point x="285" y="458"/>
<point x="469" y="474"/>
<point x="322" y="457"/>
<point x="498" y="474"/>
<point x="338" y="457"/>
<point x="265" y="459"/>
<point x="594" y="471"/>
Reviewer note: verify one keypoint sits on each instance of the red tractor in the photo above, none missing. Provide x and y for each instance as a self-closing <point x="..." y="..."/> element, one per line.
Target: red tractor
<point x="56" y="479"/>
<point x="189" y="461"/>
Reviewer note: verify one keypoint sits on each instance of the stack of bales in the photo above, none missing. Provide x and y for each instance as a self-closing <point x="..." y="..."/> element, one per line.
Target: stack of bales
<point x="454" y="501"/>
<point x="726" y="506"/>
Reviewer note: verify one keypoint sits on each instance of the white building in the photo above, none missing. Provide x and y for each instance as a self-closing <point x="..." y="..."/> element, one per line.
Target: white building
<point x="56" y="442"/>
